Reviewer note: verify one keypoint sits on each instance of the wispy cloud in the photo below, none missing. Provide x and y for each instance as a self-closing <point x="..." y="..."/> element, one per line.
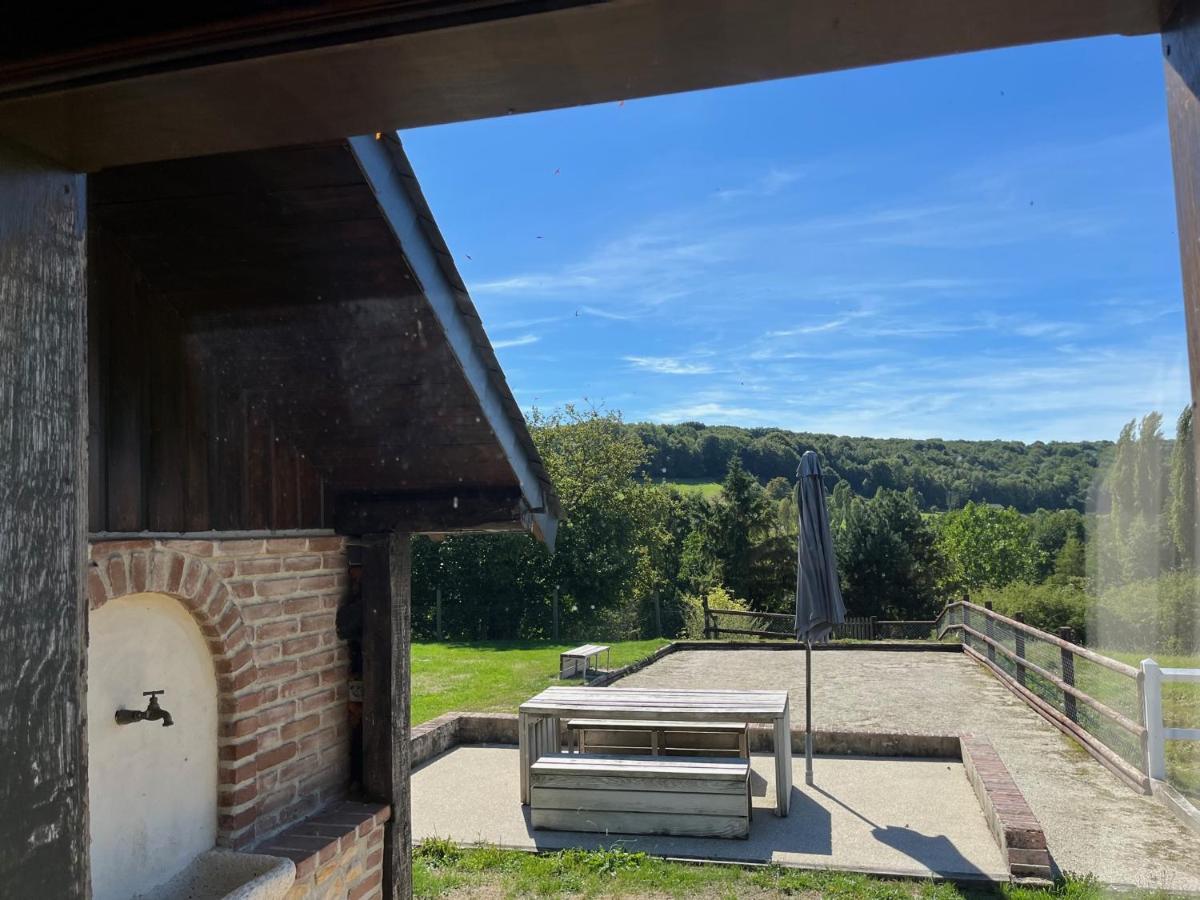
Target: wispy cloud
<point x="522" y="341"/>
<point x="668" y="365"/>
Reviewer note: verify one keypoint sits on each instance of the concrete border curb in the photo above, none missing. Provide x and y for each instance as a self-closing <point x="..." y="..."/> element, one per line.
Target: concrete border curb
<point x="1179" y="805"/>
<point x="1014" y="826"/>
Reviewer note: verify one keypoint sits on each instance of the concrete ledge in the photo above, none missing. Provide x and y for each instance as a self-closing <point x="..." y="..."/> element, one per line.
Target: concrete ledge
<point x="1179" y="805"/>
<point x="1014" y="826"/>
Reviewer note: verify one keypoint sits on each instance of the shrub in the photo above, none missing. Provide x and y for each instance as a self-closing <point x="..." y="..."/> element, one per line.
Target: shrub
<point x="718" y="598"/>
<point x="1152" y="615"/>
<point x="1047" y="606"/>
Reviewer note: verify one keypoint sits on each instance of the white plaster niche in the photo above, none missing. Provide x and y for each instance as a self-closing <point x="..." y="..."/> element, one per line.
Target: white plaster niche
<point x="152" y="790"/>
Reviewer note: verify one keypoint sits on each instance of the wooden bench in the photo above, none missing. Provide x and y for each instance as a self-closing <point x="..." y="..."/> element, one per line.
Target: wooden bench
<point x="689" y="796"/>
<point x="575" y="662"/>
<point x="624" y="736"/>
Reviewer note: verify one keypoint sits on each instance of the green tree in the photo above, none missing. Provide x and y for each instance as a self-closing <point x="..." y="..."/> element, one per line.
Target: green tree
<point x="987" y="546"/>
<point x="887" y="559"/>
<point x="740" y="518"/>
<point x="1182" y="509"/>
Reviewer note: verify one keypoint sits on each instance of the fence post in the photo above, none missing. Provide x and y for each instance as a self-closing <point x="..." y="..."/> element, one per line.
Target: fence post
<point x="657" y="616"/>
<point x="707" y="633"/>
<point x="438" y="613"/>
<point x="871" y="629"/>
<point x="1156" y="750"/>
<point x="1019" y="640"/>
<point x="1070" y="707"/>
<point x="554" y="614"/>
<point x="989" y="629"/>
<point x="966" y="621"/>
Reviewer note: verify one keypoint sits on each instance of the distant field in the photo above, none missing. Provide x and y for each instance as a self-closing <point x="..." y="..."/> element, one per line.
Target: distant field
<point x="493" y="676"/>
<point x="696" y="486"/>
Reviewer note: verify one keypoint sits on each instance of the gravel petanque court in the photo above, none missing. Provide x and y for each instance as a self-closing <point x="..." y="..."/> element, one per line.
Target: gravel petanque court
<point x="1094" y="823"/>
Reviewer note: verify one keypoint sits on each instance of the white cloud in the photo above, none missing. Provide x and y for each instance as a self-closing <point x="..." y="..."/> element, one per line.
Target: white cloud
<point x="668" y="365"/>
<point x="522" y="341"/>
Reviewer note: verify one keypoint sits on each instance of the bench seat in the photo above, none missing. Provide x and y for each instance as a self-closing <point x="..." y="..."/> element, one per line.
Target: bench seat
<point x="575" y="661"/>
<point x="654" y="738"/>
<point x="687" y="796"/>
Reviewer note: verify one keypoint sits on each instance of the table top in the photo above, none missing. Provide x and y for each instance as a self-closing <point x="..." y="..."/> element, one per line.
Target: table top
<point x="652" y="704"/>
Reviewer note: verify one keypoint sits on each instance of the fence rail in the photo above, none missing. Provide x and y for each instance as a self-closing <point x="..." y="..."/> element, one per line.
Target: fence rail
<point x="1094" y="699"/>
<point x="861" y="628"/>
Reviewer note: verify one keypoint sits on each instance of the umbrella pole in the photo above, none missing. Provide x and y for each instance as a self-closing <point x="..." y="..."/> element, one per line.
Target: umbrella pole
<point x="808" y="735"/>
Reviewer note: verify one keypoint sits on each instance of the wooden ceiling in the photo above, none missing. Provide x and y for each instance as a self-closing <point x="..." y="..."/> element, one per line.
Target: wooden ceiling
<point x="240" y="77"/>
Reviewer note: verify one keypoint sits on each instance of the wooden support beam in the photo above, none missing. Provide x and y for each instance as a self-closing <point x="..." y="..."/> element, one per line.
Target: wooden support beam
<point x="387" y="594"/>
<point x="428" y="514"/>
<point x="43" y="527"/>
<point x="1181" y="58"/>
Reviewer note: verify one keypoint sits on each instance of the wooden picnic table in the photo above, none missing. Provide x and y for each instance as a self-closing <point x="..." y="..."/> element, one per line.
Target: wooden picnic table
<point x="539" y="731"/>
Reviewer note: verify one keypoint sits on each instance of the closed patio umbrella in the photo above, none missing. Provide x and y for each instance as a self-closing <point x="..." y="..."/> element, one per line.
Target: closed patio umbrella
<point x="818" y="597"/>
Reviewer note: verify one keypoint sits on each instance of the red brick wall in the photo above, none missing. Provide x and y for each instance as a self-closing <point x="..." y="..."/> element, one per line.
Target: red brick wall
<point x="267" y="609"/>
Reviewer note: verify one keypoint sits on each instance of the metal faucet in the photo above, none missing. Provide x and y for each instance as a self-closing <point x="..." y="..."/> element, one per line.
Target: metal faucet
<point x="152" y="713"/>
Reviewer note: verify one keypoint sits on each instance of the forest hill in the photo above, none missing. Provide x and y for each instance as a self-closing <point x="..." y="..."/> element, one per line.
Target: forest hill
<point x="944" y="474"/>
<point x="633" y="551"/>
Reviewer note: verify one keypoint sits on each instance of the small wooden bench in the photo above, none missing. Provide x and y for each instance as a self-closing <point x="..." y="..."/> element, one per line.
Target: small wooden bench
<point x="625" y="736"/>
<point x="575" y="662"/>
<point x="689" y="796"/>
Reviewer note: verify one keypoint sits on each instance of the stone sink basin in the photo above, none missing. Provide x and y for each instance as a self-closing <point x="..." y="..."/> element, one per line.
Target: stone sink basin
<point x="227" y="875"/>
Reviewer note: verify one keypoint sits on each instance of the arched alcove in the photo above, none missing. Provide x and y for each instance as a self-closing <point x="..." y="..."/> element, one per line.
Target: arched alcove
<point x="152" y="789"/>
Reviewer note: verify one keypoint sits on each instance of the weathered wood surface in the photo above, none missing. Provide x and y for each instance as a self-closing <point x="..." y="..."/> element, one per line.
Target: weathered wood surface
<point x="265" y="357"/>
<point x="387" y="636"/>
<point x="648" y="704"/>
<point x="640" y="704"/>
<point x="658" y="738"/>
<point x="702" y="796"/>
<point x="43" y="509"/>
<point x="248" y="79"/>
<point x="1181" y="69"/>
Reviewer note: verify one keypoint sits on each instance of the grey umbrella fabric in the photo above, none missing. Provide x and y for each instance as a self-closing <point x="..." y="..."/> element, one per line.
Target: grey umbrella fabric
<point x="819" y="604"/>
<point x="818" y="597"/>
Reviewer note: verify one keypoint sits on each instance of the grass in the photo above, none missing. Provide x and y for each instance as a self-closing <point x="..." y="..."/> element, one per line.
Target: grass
<point x="493" y="676"/>
<point x="442" y="869"/>
<point x="1181" y="709"/>
<point x="696" y="486"/>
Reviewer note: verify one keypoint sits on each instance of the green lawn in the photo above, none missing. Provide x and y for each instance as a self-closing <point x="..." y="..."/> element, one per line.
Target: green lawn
<point x="1181" y="709"/>
<point x="696" y="486"/>
<point x="493" y="676"/>
<point x="440" y="869"/>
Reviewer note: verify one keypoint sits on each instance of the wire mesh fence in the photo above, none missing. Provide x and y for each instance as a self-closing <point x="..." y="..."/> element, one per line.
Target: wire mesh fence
<point x="1095" y="697"/>
<point x="781" y="626"/>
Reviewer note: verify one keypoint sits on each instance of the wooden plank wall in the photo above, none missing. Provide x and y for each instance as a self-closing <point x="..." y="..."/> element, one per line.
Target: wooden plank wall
<point x="43" y="624"/>
<point x="175" y="444"/>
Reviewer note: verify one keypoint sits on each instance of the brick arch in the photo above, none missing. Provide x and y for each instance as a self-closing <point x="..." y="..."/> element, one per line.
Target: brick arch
<point x="120" y="568"/>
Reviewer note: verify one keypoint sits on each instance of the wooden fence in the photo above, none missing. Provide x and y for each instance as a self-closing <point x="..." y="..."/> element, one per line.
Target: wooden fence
<point x="1059" y="679"/>
<point x="780" y="626"/>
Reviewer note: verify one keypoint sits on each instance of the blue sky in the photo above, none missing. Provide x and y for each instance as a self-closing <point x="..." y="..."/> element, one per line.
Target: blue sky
<point x="978" y="246"/>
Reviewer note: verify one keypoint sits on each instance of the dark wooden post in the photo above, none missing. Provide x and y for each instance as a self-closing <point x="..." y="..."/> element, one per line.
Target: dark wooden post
<point x="1019" y="639"/>
<point x="386" y="591"/>
<point x="554" y="615"/>
<point x="657" y="616"/>
<point x="43" y="529"/>
<point x="989" y="628"/>
<point x="966" y="620"/>
<point x="1068" y="673"/>
<point x="1181" y="55"/>
<point x="707" y="626"/>
<point x="438" y="613"/>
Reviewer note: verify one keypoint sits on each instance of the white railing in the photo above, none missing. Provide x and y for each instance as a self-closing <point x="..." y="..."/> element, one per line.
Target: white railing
<point x="1157" y="735"/>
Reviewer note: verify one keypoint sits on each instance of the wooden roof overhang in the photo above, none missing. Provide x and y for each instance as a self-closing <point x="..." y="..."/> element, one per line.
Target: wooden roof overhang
<point x="94" y="90"/>
<point x="317" y="295"/>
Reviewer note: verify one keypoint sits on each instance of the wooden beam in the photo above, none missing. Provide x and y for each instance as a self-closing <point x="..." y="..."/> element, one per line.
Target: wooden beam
<point x="1181" y="58"/>
<point x="150" y="101"/>
<point x="387" y="636"/>
<point x="385" y="166"/>
<point x="43" y="527"/>
<point x="424" y="513"/>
